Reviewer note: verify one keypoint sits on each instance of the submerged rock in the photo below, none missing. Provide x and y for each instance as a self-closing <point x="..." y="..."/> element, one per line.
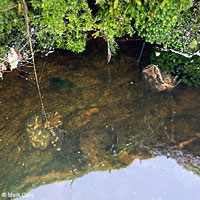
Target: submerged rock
<point x="159" y="81"/>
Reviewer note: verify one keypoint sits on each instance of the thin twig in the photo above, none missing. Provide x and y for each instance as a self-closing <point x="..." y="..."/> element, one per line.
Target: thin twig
<point x="141" y="52"/>
<point x="13" y="6"/>
<point x="187" y="33"/>
<point x="33" y="59"/>
<point x="126" y="11"/>
<point x="109" y="52"/>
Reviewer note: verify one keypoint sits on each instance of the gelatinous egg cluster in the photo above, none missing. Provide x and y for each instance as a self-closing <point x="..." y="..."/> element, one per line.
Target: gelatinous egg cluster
<point x="44" y="133"/>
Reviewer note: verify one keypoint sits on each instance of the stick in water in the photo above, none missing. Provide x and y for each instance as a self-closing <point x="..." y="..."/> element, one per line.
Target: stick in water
<point x="32" y="54"/>
<point x="141" y="52"/>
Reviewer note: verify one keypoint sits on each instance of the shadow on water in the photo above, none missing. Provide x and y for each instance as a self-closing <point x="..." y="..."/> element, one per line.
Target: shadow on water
<point x="109" y="119"/>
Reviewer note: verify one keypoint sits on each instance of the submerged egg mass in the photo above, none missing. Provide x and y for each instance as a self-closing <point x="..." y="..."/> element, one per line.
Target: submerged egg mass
<point x="41" y="135"/>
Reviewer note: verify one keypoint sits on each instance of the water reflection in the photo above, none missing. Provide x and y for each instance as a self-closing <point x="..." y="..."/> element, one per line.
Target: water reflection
<point x="153" y="179"/>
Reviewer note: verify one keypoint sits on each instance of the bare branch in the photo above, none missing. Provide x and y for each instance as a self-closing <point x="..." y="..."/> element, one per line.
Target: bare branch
<point x="6" y="9"/>
<point x="33" y="58"/>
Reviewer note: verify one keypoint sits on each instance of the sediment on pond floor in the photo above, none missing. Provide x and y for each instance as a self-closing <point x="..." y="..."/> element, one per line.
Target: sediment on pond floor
<point x="109" y="118"/>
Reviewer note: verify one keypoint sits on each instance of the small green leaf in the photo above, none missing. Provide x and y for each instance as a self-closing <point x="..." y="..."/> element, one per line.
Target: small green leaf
<point x="138" y="2"/>
<point x="116" y="4"/>
<point x="19" y="8"/>
<point x="193" y="44"/>
<point x="95" y="35"/>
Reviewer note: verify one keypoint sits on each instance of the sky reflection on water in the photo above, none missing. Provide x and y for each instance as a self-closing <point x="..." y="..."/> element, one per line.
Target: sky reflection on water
<point x="154" y="179"/>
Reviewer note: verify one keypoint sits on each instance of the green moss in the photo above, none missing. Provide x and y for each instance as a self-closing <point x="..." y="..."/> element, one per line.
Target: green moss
<point x="188" y="69"/>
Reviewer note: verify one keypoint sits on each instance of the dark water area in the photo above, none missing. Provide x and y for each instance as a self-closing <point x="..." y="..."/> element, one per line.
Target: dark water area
<point x="110" y="136"/>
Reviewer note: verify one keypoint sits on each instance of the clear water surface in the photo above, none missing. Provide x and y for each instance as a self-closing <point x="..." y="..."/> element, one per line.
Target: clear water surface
<point x="110" y="136"/>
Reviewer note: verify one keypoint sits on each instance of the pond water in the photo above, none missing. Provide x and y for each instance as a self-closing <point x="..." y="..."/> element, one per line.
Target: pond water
<point x="108" y="135"/>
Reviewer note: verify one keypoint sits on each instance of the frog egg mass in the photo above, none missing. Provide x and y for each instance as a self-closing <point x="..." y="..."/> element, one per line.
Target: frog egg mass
<point x="42" y="134"/>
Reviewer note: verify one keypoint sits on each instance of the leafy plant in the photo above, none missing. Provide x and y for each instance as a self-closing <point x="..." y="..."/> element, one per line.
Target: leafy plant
<point x="186" y="34"/>
<point x="66" y="24"/>
<point x="158" y="20"/>
<point x="188" y="69"/>
<point x="113" y="20"/>
<point x="11" y="24"/>
<point x="62" y="24"/>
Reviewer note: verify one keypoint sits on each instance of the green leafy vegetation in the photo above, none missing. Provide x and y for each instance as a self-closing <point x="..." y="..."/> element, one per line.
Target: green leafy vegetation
<point x="188" y="69"/>
<point x="54" y="24"/>
<point x="156" y="20"/>
<point x="113" y="20"/>
<point x="62" y="24"/>
<point x="67" y="24"/>
<point x="11" y="24"/>
<point x="185" y="34"/>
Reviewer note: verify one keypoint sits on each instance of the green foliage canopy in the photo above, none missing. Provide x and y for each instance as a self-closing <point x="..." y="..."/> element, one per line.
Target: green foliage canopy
<point x="66" y="24"/>
<point x="62" y="24"/>
<point x="11" y="23"/>
<point x="188" y="69"/>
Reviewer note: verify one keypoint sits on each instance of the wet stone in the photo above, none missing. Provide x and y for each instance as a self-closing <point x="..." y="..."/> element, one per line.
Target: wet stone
<point x="159" y="81"/>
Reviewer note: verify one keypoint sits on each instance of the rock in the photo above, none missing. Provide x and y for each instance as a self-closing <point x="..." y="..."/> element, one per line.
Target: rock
<point x="159" y="81"/>
<point x="10" y="61"/>
<point x="13" y="58"/>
